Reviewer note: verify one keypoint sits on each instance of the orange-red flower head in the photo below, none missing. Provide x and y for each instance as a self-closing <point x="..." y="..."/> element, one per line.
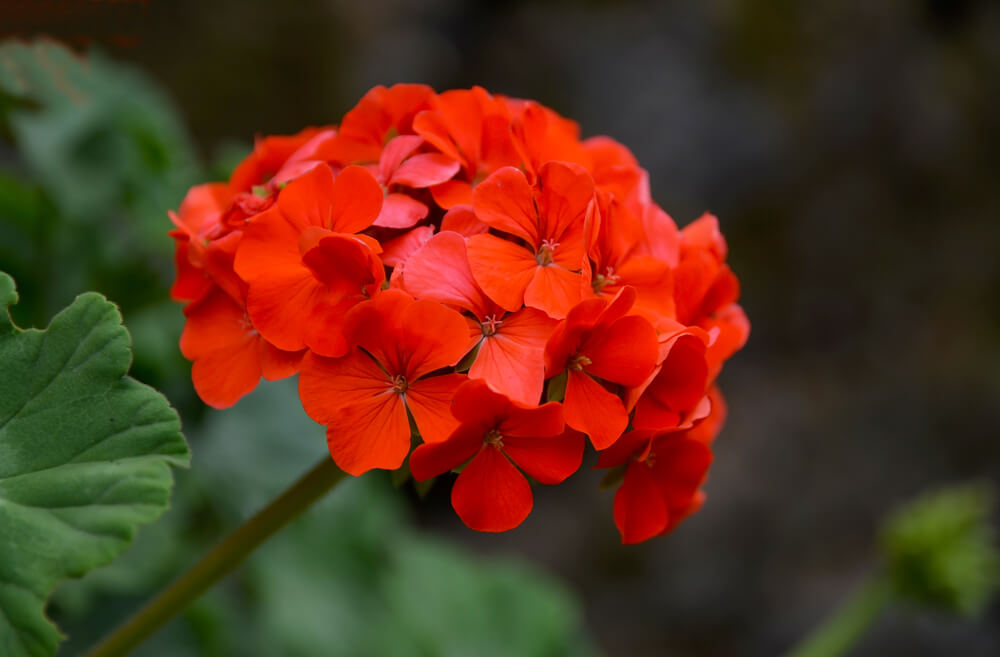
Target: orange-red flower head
<point x="459" y="279"/>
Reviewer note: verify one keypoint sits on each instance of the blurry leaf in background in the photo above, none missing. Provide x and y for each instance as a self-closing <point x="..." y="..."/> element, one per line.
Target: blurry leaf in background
<point x="349" y="578"/>
<point x="942" y="549"/>
<point x="100" y="154"/>
<point x="96" y="133"/>
<point x="84" y="456"/>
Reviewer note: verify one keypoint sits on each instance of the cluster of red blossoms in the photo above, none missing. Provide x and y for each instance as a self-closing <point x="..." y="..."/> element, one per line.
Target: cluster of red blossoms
<point x="459" y="280"/>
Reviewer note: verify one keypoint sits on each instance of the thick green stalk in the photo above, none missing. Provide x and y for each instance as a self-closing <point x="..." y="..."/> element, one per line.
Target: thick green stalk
<point x="222" y="559"/>
<point x="842" y="630"/>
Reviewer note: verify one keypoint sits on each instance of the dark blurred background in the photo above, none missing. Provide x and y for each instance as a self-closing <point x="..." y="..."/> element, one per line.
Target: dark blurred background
<point x="852" y="152"/>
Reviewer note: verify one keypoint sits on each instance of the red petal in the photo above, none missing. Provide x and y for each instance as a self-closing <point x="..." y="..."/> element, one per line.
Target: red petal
<point x="397" y="150"/>
<point x="532" y="421"/>
<point x="679" y="469"/>
<point x="662" y="237"/>
<point x="512" y="360"/>
<point x="400" y="211"/>
<point x="429" y="401"/>
<point x="270" y="244"/>
<point x="549" y="460"/>
<point x="324" y="331"/>
<point x="425" y="170"/>
<point x="224" y="347"/>
<point x="461" y="219"/>
<point x="282" y="306"/>
<point x="219" y="259"/>
<point x="373" y="434"/>
<point x="490" y="495"/>
<point x="734" y="329"/>
<point x="683" y="377"/>
<point x="343" y="264"/>
<point x="328" y="385"/>
<point x="553" y="290"/>
<point x="624" y="353"/>
<point x="306" y="201"/>
<point x="653" y="283"/>
<point x="633" y="443"/>
<point x="640" y="512"/>
<point x="277" y="364"/>
<point x="706" y="430"/>
<point x="398" y="250"/>
<point x="432" y="459"/>
<point x="504" y="201"/>
<point x="213" y="323"/>
<point x="566" y="191"/>
<point x="357" y="200"/>
<point x="374" y="326"/>
<point x="222" y="377"/>
<point x="452" y="194"/>
<point x="476" y="403"/>
<point x="431" y="126"/>
<point x="704" y="233"/>
<point x="590" y="408"/>
<point x="432" y="337"/>
<point x="191" y="283"/>
<point x="502" y="269"/>
<point x="440" y="272"/>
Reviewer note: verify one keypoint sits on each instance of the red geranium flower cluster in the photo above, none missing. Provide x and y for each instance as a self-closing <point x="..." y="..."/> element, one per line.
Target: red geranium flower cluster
<point x="460" y="272"/>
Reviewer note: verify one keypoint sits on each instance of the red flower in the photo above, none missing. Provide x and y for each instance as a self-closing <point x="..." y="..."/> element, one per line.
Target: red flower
<point x="472" y="127"/>
<point x="499" y="436"/>
<point x="304" y="263"/>
<point x="707" y="290"/>
<point x="598" y="344"/>
<point x="198" y="223"/>
<point x="510" y="345"/>
<point x="615" y="261"/>
<point x="399" y="166"/>
<point x="660" y="487"/>
<point x="537" y="262"/>
<point x="549" y="218"/>
<point x="662" y="474"/>
<point x="671" y="396"/>
<point x="382" y="114"/>
<point x="363" y="397"/>
<point x="229" y="355"/>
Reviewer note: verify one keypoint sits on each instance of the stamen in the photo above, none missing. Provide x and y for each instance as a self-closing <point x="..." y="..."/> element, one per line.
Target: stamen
<point x="609" y="277"/>
<point x="399" y="384"/>
<point x="493" y="437"/>
<point x="577" y="362"/>
<point x="490" y="325"/>
<point x="545" y="253"/>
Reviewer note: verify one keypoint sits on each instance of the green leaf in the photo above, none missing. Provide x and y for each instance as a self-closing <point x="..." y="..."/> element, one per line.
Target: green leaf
<point x="84" y="456"/>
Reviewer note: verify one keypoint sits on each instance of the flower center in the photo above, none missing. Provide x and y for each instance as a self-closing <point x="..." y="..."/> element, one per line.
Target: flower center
<point x="493" y="437"/>
<point x="577" y="362"/>
<point x="545" y="253"/>
<point x="490" y="325"/>
<point x="609" y="277"/>
<point x="399" y="384"/>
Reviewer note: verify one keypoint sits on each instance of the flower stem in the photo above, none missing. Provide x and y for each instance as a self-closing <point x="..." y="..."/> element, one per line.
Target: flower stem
<point x="841" y="631"/>
<point x="222" y="559"/>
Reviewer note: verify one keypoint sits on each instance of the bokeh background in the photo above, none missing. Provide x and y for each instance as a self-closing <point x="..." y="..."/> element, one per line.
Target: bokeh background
<point x="852" y="152"/>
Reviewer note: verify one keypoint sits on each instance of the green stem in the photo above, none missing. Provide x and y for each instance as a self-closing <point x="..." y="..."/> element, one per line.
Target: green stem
<point x="223" y="558"/>
<point x="842" y="630"/>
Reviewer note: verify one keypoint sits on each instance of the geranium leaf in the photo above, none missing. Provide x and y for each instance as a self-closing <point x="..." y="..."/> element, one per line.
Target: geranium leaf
<point x="84" y="458"/>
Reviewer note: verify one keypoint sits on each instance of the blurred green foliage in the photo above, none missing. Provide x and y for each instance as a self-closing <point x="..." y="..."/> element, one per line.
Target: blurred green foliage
<point x="91" y="157"/>
<point x="942" y="550"/>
